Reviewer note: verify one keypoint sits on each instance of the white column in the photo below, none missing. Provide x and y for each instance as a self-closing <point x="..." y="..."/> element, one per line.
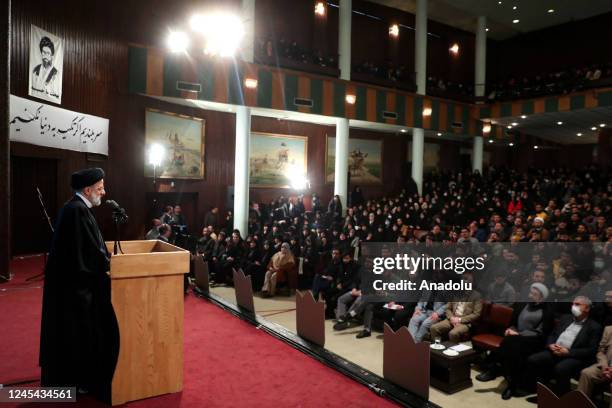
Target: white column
<point x="241" y="169"/>
<point x="420" y="47"/>
<point x="248" y="41"/>
<point x="418" y="144"/>
<point x="480" y="71"/>
<point x="341" y="169"/>
<point x="344" y="39"/>
<point x="420" y="69"/>
<point x="477" y="149"/>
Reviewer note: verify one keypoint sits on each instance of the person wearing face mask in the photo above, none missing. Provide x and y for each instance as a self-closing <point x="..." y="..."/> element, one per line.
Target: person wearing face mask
<point x="571" y="347"/>
<point x="79" y="340"/>
<point x="529" y="326"/>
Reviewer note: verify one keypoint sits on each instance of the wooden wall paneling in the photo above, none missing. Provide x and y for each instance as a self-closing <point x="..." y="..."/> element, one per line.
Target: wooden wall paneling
<point x="5" y="163"/>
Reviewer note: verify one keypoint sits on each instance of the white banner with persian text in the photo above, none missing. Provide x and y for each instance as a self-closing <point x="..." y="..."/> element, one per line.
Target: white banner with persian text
<point x="45" y="125"/>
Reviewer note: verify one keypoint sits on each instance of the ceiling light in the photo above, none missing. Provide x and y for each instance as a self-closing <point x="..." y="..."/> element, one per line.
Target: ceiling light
<point x="250" y="83"/>
<point x="394" y="30"/>
<point x="516" y="20"/>
<point x="514" y="7"/>
<point x="403" y="130"/>
<point x="222" y="32"/>
<point x="486" y="128"/>
<point x="594" y="128"/>
<point x="578" y="134"/>
<point x="559" y="123"/>
<point x="427" y="112"/>
<point x="509" y="126"/>
<point x="514" y="124"/>
<point x="510" y="144"/>
<point x="499" y="2"/>
<point x="439" y="134"/>
<point x="536" y="147"/>
<point x="350" y="99"/>
<point x="454" y="49"/>
<point x="490" y="140"/>
<point x="602" y="125"/>
<point x="523" y="116"/>
<point x="487" y="29"/>
<point x="177" y="41"/>
<point x="551" y="10"/>
<point x="320" y="8"/>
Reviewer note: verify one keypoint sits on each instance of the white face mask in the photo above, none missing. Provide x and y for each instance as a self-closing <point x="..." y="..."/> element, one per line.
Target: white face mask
<point x="576" y="311"/>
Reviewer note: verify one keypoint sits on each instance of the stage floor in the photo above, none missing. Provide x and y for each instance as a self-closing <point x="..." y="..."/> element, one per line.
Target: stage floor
<point x="368" y="353"/>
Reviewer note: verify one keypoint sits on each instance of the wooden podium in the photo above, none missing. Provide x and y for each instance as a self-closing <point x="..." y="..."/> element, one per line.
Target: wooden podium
<point x="147" y="294"/>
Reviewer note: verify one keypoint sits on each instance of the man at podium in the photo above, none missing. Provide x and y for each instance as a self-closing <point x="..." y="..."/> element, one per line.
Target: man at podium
<point x="79" y="340"/>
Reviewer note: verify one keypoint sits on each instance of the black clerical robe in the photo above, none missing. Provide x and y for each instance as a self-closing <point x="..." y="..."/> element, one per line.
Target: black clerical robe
<point x="79" y="340"/>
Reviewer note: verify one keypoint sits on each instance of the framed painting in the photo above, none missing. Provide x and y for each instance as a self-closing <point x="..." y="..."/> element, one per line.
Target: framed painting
<point x="364" y="161"/>
<point x="179" y="143"/>
<point x="277" y="160"/>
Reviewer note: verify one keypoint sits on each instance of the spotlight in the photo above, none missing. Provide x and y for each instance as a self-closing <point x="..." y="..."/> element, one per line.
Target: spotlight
<point x="516" y="20"/>
<point x="510" y="144"/>
<point x="602" y="125"/>
<point x="551" y="10"/>
<point x="156" y="154"/>
<point x="177" y="41"/>
<point x="222" y="32"/>
<point x="523" y="116"/>
<point x="320" y="8"/>
<point x="250" y="83"/>
<point x="454" y="49"/>
<point x="578" y="134"/>
<point x="490" y="140"/>
<point x="394" y="30"/>
<point x="486" y="128"/>
<point x="439" y="134"/>
<point x="403" y="130"/>
<point x="296" y="177"/>
<point x="514" y="124"/>
<point x="514" y="7"/>
<point x="350" y="99"/>
<point x="509" y="126"/>
<point x="487" y="29"/>
<point x="427" y="112"/>
<point x="536" y="147"/>
<point x="594" y="128"/>
<point x="559" y="123"/>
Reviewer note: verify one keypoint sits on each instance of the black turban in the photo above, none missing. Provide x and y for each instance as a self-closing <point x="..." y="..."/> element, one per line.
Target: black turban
<point x="86" y="177"/>
<point x="46" y="42"/>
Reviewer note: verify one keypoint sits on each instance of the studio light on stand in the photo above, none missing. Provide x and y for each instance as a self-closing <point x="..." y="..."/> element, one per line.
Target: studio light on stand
<point x="156" y="156"/>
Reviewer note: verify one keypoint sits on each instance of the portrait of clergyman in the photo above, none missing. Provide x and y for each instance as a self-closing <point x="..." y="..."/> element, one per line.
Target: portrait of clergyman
<point x="46" y="65"/>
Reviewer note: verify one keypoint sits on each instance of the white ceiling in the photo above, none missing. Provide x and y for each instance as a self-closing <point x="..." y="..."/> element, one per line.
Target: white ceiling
<point x="533" y="14"/>
<point x="544" y="125"/>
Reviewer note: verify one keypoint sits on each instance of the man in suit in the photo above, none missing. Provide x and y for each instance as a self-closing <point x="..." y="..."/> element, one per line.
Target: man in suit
<point x="601" y="371"/>
<point x="79" y="339"/>
<point x="459" y="315"/>
<point x="570" y="348"/>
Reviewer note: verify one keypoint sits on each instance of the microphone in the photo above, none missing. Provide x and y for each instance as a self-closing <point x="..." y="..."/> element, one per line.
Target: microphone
<point x="116" y="207"/>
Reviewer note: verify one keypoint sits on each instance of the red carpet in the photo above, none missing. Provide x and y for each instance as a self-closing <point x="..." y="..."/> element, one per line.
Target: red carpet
<point x="228" y="362"/>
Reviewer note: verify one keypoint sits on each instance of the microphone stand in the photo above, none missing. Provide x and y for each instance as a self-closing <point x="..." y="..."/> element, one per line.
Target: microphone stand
<point x="44" y="209"/>
<point x="119" y="217"/>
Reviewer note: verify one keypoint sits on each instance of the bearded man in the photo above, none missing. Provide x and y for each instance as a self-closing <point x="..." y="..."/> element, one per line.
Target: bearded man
<point x="79" y="340"/>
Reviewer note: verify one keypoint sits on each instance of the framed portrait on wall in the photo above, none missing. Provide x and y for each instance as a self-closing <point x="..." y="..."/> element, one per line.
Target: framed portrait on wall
<point x="277" y="160"/>
<point x="364" y="161"/>
<point x="46" y="65"/>
<point x="176" y="142"/>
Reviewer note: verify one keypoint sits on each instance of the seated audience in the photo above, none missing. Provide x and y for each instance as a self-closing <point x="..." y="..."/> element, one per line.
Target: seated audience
<point x="600" y="373"/>
<point x="571" y="347"/>
<point x="530" y="325"/>
<point x="153" y="233"/>
<point x="426" y="313"/>
<point x="278" y="269"/>
<point x="459" y="316"/>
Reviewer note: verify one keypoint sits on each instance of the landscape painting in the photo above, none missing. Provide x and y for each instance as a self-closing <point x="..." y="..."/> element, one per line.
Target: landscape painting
<point x="365" y="161"/>
<point x="277" y="160"/>
<point x="182" y="141"/>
